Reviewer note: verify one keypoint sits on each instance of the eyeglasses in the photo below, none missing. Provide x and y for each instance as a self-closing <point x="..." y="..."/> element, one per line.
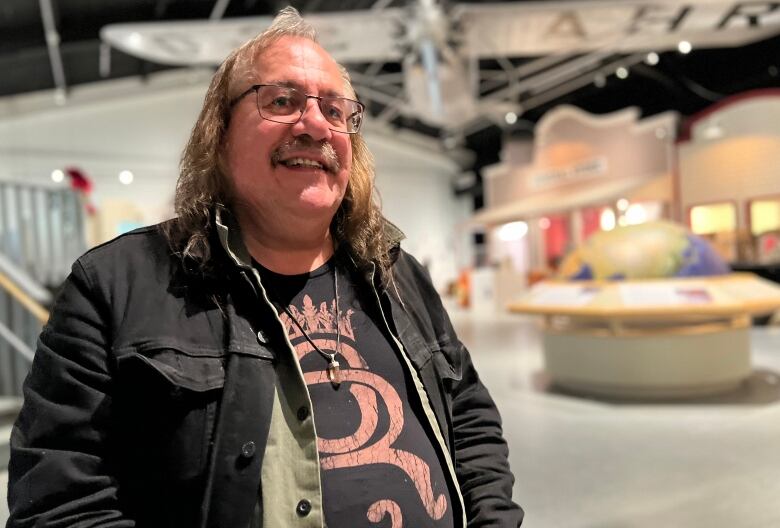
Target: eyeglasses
<point x="282" y="104"/>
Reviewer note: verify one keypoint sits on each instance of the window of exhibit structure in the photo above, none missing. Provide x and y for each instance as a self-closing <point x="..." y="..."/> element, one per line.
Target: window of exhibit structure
<point x="764" y="217"/>
<point x="717" y="223"/>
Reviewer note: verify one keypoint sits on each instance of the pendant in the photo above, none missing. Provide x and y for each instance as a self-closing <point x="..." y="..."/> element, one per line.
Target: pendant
<point x="333" y="372"/>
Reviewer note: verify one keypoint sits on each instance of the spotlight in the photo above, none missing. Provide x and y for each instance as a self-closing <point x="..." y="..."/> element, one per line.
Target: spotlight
<point x="126" y="177"/>
<point x="684" y="47"/>
<point x="57" y="175"/>
<point x="622" y="72"/>
<point x="652" y="58"/>
<point x="713" y="131"/>
<point x="510" y="118"/>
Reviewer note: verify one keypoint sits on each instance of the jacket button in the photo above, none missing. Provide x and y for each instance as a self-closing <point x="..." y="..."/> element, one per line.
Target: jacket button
<point x="261" y="337"/>
<point x="303" y="508"/>
<point x="303" y="413"/>
<point x="248" y="450"/>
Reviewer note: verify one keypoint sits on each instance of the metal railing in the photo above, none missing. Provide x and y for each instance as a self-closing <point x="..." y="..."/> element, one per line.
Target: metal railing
<point x="22" y="315"/>
<point x="41" y="234"/>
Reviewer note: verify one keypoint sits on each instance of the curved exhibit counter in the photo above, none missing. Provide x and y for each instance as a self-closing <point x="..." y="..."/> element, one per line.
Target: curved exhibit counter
<point x="666" y="338"/>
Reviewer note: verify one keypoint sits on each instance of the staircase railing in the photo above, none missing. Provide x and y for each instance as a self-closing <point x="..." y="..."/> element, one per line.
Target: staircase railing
<point x="41" y="234"/>
<point x="22" y="315"/>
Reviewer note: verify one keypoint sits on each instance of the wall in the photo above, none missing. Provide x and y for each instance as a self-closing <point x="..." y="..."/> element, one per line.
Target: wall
<point x="417" y="196"/>
<point x="127" y="124"/>
<point x="731" y="146"/>
<point x="574" y="151"/>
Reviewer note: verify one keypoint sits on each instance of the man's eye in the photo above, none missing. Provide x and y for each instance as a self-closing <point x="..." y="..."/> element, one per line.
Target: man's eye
<point x="334" y="112"/>
<point x="281" y="102"/>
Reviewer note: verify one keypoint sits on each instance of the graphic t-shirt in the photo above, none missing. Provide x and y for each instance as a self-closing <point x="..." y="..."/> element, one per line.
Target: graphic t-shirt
<point x="379" y="466"/>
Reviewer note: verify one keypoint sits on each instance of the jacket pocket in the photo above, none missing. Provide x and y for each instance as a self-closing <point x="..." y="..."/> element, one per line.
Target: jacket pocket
<point x="176" y="368"/>
<point x="166" y="402"/>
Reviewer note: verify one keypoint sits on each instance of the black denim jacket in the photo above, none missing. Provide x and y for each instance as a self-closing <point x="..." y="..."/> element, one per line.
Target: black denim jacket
<point x="150" y="384"/>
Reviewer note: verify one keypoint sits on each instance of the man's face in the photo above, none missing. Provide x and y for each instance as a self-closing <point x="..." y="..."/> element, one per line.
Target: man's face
<point x="283" y="171"/>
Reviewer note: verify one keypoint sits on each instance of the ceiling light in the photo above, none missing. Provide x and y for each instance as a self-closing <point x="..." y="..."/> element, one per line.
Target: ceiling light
<point x="652" y="58"/>
<point x="600" y="80"/>
<point x="511" y="118"/>
<point x="684" y="47"/>
<point x="512" y="231"/>
<point x="621" y="72"/>
<point x="126" y="177"/>
<point x="57" y="175"/>
<point x="544" y="222"/>
<point x="622" y="204"/>
<point x="713" y="131"/>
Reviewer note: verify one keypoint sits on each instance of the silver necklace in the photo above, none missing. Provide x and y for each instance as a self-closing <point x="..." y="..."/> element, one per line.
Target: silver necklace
<point x="334" y="374"/>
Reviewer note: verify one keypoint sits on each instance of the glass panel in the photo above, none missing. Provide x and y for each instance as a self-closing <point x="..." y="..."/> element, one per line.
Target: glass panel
<point x="765" y="229"/>
<point x="764" y="216"/>
<point x="717" y="223"/>
<point x="713" y="218"/>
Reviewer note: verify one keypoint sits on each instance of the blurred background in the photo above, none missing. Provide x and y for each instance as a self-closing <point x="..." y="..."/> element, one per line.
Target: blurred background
<point x="506" y="135"/>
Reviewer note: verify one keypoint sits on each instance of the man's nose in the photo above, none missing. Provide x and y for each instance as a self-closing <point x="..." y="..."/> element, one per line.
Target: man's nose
<point x="312" y="122"/>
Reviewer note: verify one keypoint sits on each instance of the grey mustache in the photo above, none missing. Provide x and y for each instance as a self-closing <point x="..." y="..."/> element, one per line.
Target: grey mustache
<point x="304" y="143"/>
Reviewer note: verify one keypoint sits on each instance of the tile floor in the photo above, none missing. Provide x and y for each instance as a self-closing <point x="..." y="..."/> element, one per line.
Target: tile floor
<point x="585" y="463"/>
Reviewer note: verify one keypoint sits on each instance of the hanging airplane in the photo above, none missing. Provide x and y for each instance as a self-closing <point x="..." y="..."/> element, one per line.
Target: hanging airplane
<point x="439" y="47"/>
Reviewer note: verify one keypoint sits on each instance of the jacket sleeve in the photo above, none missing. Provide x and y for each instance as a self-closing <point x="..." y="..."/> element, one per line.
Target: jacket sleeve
<point x="481" y="455"/>
<point x="60" y="468"/>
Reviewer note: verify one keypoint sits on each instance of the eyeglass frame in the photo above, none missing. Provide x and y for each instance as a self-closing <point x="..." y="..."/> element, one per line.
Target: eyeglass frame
<point x="256" y="87"/>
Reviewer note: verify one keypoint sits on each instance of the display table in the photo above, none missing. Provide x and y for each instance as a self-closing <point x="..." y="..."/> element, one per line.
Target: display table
<point x="650" y="339"/>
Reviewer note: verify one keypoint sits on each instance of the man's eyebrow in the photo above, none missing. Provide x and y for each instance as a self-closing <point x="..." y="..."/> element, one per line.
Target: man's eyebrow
<point x="299" y="87"/>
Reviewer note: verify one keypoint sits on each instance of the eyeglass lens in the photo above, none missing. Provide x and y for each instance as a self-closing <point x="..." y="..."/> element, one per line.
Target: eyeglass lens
<point x="286" y="105"/>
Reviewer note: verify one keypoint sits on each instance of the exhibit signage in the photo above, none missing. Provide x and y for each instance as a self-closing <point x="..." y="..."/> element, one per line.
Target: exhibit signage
<point x="582" y="170"/>
<point x="538" y="28"/>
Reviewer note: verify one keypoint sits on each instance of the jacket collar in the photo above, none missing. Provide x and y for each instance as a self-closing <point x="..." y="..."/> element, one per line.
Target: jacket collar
<point x="229" y="232"/>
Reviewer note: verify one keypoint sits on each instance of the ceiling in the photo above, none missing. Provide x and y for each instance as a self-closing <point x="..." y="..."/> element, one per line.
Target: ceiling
<point x="685" y="83"/>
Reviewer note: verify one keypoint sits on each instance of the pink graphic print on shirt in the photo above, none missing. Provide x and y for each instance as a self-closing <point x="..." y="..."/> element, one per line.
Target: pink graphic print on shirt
<point x="353" y="450"/>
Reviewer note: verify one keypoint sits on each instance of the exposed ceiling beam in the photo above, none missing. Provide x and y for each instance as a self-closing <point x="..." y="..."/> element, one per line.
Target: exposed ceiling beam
<point x="218" y="11"/>
<point x="578" y="82"/>
<point x="53" y="46"/>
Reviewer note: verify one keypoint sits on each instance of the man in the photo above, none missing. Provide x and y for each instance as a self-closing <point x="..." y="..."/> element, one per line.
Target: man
<point x="270" y="357"/>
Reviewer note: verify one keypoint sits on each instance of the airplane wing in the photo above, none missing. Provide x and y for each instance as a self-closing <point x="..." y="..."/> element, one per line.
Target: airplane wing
<point x="363" y="36"/>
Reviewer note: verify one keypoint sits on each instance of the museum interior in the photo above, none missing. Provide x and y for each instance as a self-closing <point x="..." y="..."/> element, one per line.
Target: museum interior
<point x="593" y="187"/>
